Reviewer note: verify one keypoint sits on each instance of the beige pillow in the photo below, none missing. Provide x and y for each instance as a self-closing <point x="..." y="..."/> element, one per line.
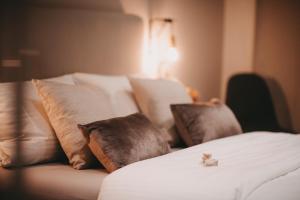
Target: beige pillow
<point x="117" y="88"/>
<point x="155" y="96"/>
<point x="67" y="106"/>
<point x="37" y="139"/>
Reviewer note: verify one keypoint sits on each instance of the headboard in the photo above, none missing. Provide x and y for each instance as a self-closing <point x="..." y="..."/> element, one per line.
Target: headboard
<point x="61" y="41"/>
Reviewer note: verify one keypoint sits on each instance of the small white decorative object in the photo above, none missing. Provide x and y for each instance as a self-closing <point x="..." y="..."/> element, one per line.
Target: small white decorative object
<point x="208" y="161"/>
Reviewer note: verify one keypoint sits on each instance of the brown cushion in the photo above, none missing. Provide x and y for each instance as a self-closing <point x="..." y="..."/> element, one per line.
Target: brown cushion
<point x="202" y="122"/>
<point x="120" y="141"/>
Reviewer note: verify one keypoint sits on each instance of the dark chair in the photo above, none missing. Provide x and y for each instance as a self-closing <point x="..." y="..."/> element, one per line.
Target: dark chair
<point x="250" y="99"/>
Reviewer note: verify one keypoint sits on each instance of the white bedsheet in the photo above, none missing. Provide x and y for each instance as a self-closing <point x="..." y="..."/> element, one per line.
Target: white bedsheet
<point x="285" y="187"/>
<point x="247" y="163"/>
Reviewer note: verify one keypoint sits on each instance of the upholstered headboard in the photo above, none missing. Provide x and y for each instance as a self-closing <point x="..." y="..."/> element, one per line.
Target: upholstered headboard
<point x="63" y="41"/>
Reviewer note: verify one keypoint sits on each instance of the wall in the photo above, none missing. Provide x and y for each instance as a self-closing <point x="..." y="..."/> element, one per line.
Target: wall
<point x="259" y="36"/>
<point x="104" y="5"/>
<point x="10" y="38"/>
<point x="277" y="49"/>
<point x="198" y="32"/>
<point x="59" y="37"/>
<point x="238" y="39"/>
<point x="198" y="27"/>
<point x="139" y="8"/>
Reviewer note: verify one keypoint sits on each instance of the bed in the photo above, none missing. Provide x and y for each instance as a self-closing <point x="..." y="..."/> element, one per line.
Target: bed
<point x="252" y="166"/>
<point x="58" y="181"/>
<point x="258" y="165"/>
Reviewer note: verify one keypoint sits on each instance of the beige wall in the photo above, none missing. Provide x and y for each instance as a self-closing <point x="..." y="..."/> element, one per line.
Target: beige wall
<point x="105" y="5"/>
<point x="198" y="32"/>
<point x="297" y="106"/>
<point x="64" y="38"/>
<point x="203" y="29"/>
<point x="238" y="39"/>
<point x="257" y="36"/>
<point x="277" y="49"/>
<point x="139" y="8"/>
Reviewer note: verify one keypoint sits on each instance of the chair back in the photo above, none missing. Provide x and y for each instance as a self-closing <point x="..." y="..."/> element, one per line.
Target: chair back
<point x="250" y="100"/>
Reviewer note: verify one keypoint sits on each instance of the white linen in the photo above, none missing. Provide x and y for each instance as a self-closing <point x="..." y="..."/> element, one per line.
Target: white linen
<point x="116" y="88"/>
<point x="285" y="187"/>
<point x="37" y="135"/>
<point x="246" y="163"/>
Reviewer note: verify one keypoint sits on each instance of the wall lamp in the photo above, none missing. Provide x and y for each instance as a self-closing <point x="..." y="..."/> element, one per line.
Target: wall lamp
<point x="162" y="44"/>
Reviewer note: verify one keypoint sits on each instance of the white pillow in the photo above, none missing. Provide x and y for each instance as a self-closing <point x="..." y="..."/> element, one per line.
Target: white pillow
<point x="38" y="141"/>
<point x="117" y="88"/>
<point x="155" y="96"/>
<point x="67" y="106"/>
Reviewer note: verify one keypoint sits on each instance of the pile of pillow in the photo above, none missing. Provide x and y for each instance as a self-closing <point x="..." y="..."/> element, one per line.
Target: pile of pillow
<point x="113" y="120"/>
<point x="38" y="140"/>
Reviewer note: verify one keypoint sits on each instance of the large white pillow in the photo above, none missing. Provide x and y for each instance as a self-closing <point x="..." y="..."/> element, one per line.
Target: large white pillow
<point x="117" y="89"/>
<point x="37" y="139"/>
<point x="154" y="96"/>
<point x="67" y="106"/>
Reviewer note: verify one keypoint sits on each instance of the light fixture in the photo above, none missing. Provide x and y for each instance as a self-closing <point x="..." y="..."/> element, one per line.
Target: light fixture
<point x="162" y="46"/>
<point x="172" y="54"/>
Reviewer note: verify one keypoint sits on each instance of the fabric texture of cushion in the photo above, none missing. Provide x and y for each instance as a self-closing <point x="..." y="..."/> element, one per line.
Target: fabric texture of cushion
<point x="37" y="134"/>
<point x="120" y="141"/>
<point x="202" y="122"/>
<point x="117" y="89"/>
<point x="155" y="96"/>
<point x="68" y="105"/>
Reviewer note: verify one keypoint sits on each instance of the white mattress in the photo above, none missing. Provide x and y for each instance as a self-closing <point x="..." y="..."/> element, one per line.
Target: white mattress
<point x="57" y="181"/>
<point x="250" y="165"/>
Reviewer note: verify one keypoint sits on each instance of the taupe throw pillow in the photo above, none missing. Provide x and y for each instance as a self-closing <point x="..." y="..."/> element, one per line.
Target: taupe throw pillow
<point x="202" y="122"/>
<point x="120" y="141"/>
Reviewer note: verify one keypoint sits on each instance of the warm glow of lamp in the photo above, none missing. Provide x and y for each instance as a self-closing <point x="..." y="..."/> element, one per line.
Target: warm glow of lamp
<point x="162" y="52"/>
<point x="172" y="53"/>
